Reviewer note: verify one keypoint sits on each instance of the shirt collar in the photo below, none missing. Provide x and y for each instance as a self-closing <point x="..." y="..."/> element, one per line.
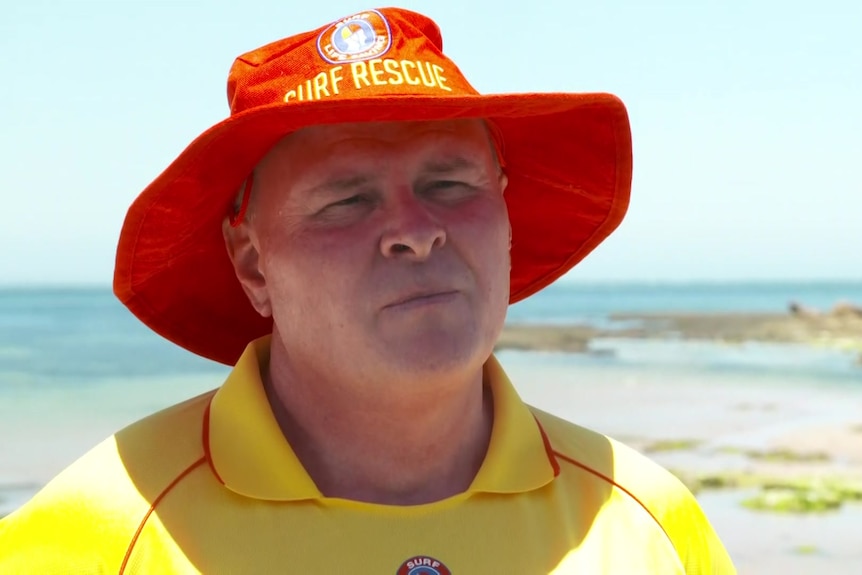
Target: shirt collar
<point x="250" y="455"/>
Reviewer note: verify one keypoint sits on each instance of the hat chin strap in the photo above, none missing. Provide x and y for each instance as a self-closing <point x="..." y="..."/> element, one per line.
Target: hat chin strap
<point x="238" y="216"/>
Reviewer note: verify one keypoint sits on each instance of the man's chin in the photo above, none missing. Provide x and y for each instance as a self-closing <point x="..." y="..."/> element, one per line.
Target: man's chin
<point x="437" y="353"/>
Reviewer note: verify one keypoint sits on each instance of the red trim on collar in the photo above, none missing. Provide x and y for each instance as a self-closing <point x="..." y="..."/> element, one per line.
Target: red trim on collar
<point x="206" y="442"/>
<point x="548" y="449"/>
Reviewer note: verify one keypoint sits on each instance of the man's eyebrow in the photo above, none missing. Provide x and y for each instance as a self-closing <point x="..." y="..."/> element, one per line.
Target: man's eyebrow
<point x="338" y="183"/>
<point x="344" y="183"/>
<point x="448" y="165"/>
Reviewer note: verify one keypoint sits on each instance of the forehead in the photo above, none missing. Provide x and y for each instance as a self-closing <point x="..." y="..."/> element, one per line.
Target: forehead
<point x="321" y="142"/>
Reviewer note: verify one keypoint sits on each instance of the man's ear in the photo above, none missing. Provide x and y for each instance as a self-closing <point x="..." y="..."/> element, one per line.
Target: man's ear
<point x="244" y="254"/>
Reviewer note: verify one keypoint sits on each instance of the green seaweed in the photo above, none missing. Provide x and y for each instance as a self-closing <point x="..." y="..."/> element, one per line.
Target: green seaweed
<point x="697" y="482"/>
<point x="794" y="500"/>
<point x="779" y="494"/>
<point x="731" y="450"/>
<point x="848" y="490"/>
<point x="786" y="455"/>
<point x="672" y="445"/>
<point x="718" y="481"/>
<point x="775" y="455"/>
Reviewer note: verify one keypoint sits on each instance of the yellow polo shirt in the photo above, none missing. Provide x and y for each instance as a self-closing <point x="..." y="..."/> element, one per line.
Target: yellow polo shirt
<point x="212" y="486"/>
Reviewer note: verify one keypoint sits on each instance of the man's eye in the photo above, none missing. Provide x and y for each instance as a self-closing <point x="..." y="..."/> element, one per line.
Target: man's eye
<point x="349" y="201"/>
<point x="449" y="190"/>
<point x="445" y="185"/>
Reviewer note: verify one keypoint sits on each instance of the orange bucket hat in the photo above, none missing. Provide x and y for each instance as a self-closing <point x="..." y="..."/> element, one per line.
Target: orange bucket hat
<point x="567" y="157"/>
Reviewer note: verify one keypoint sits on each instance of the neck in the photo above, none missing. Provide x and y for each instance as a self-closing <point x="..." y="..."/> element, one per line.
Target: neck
<point x="392" y="444"/>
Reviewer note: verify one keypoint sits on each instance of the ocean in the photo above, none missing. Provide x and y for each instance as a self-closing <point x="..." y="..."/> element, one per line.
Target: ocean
<point x="75" y="365"/>
<point x="565" y="302"/>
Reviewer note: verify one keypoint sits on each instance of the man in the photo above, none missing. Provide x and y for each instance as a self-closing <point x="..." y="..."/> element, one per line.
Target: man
<point x="350" y="239"/>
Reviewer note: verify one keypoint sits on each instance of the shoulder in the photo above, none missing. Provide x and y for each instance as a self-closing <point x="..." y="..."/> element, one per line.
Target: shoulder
<point x="86" y="517"/>
<point x="660" y="493"/>
<point x="610" y="460"/>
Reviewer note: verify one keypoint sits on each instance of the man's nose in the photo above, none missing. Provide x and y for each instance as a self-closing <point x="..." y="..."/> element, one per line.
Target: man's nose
<point x="411" y="230"/>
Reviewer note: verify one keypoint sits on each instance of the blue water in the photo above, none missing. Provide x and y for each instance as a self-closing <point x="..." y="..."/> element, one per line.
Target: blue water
<point x="594" y="302"/>
<point x="57" y="337"/>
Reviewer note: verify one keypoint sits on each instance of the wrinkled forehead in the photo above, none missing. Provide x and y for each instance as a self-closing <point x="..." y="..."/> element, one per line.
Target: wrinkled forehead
<point x="341" y="138"/>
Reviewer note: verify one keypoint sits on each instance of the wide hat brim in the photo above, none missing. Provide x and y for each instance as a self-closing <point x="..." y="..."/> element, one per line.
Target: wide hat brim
<point x="568" y="159"/>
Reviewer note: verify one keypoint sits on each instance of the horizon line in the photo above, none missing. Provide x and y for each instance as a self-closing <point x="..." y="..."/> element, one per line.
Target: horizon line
<point x="563" y="281"/>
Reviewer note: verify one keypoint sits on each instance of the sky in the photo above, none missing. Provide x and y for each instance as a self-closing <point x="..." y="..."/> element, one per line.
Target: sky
<point x="746" y="119"/>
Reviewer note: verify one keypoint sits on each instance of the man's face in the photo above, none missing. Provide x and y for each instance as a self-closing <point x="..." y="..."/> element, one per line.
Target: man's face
<point x="382" y="247"/>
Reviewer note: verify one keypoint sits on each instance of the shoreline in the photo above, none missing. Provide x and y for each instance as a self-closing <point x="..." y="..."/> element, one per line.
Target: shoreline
<point x="842" y="331"/>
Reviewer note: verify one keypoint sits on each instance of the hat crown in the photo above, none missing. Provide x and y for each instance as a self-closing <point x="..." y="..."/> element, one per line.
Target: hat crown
<point x="385" y="52"/>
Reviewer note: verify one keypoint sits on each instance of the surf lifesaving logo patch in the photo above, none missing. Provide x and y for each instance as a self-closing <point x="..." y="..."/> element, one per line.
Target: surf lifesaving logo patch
<point x="422" y="565"/>
<point x="359" y="37"/>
